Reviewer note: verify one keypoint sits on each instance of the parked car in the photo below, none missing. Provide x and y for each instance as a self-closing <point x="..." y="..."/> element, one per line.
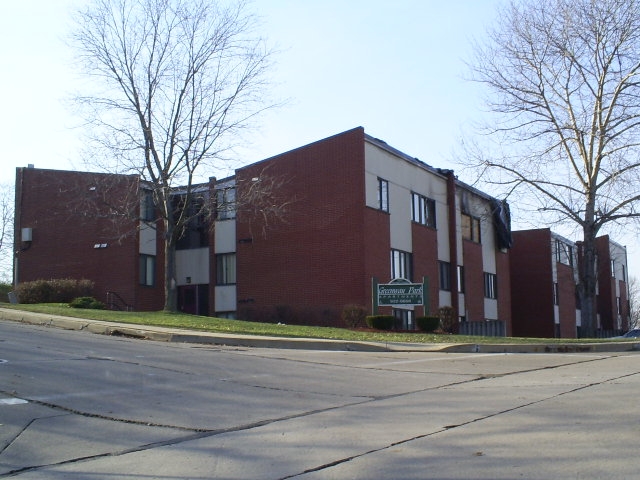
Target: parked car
<point x="635" y="333"/>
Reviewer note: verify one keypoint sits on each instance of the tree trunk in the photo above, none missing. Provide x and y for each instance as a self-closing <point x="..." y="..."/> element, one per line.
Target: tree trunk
<point x="170" y="288"/>
<point x="588" y="280"/>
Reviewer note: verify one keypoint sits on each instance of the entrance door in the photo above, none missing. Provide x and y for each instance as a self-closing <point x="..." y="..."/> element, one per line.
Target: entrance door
<point x="188" y="299"/>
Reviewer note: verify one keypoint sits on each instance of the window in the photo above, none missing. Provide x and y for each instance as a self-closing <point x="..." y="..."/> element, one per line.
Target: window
<point x="445" y="275"/>
<point x="401" y="265"/>
<point x="470" y="228"/>
<point x="564" y="253"/>
<point x="147" y="270"/>
<point x="195" y="232"/>
<point x="226" y="203"/>
<point x="460" y="279"/>
<point x="619" y="304"/>
<point x="423" y="210"/>
<point x="613" y="268"/>
<point x="624" y="273"/>
<point x="556" y="294"/>
<point x="226" y="269"/>
<point x="383" y="195"/>
<point x="490" y="285"/>
<point x="147" y="207"/>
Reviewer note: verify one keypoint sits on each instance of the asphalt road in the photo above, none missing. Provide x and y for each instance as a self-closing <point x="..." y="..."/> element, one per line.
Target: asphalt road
<point x="75" y="405"/>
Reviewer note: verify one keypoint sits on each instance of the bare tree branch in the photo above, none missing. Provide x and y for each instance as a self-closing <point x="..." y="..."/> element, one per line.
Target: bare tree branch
<point x="564" y="83"/>
<point x="178" y="81"/>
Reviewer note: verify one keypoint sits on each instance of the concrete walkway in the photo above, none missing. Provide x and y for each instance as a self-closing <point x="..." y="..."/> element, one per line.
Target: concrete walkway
<point x="164" y="334"/>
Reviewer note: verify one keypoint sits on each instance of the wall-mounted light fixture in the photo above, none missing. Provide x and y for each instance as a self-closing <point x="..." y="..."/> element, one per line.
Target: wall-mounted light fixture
<point x="26" y="237"/>
<point x="26" y="234"/>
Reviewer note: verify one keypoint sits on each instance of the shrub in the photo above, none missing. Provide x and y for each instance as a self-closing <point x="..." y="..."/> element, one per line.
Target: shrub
<point x="428" y="323"/>
<point x="5" y="288"/>
<point x="61" y="290"/>
<point x="380" y="322"/>
<point x="448" y="319"/>
<point x="87" y="302"/>
<point x="354" y="316"/>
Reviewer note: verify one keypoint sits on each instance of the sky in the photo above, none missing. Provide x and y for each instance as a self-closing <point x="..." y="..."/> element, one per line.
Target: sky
<point x="395" y="67"/>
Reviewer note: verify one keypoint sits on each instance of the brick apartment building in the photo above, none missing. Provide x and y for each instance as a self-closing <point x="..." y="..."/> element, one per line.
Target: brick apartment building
<point x="544" y="277"/>
<point x="358" y="209"/>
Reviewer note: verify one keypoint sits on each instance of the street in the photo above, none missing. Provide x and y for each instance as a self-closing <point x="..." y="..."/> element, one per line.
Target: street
<point x="75" y="405"/>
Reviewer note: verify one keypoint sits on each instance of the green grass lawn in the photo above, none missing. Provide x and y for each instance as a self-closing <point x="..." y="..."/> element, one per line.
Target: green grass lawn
<point x="212" y="324"/>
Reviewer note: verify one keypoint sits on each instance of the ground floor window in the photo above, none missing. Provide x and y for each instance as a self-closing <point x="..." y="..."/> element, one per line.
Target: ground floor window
<point x="490" y="285"/>
<point x="148" y="270"/>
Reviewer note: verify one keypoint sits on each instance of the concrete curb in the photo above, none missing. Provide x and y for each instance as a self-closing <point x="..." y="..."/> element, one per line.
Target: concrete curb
<point x="163" y="334"/>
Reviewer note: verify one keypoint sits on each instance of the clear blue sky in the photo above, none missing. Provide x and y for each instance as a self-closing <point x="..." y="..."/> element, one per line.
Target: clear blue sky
<point x="395" y="67"/>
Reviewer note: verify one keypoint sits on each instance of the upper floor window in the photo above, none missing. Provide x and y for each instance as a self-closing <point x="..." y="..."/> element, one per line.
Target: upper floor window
<point x="147" y="206"/>
<point x="401" y="264"/>
<point x="226" y="203"/>
<point x="470" y="228"/>
<point x="423" y="210"/>
<point x="564" y="253"/>
<point x="195" y="226"/>
<point x="490" y="285"/>
<point x="383" y="195"/>
<point x="556" y="294"/>
<point x="613" y="268"/>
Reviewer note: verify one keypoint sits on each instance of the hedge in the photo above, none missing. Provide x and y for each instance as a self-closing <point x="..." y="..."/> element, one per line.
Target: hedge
<point x="381" y="322"/>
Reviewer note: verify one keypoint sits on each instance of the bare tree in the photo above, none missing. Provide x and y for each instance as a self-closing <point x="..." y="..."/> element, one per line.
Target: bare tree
<point x="176" y="82"/>
<point x="563" y="79"/>
<point x="634" y="303"/>
<point x="6" y="232"/>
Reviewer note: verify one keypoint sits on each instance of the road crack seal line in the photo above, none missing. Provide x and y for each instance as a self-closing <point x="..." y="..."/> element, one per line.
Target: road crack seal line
<point x="463" y="424"/>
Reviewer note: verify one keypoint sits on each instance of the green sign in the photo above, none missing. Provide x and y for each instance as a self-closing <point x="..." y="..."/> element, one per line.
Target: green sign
<point x="400" y="293"/>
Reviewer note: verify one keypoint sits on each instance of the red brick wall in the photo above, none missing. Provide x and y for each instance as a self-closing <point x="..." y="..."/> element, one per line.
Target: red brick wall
<point x="425" y="261"/>
<point x="504" y="290"/>
<point x="532" y="284"/>
<point x="70" y="212"/>
<point x="474" y="281"/>
<point x="606" y="301"/>
<point x="312" y="261"/>
<point x="566" y="301"/>
<point x="377" y="252"/>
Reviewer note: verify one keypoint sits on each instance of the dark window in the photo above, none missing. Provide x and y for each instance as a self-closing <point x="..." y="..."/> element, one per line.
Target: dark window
<point x="226" y="269"/>
<point x="470" y="228"/>
<point x="147" y="207"/>
<point x="383" y="195"/>
<point x="226" y="203"/>
<point x="556" y="294"/>
<point x="423" y="210"/>
<point x="445" y="275"/>
<point x="460" y="279"/>
<point x="195" y="232"/>
<point x="490" y="285"/>
<point x="147" y="270"/>
<point x="401" y="265"/>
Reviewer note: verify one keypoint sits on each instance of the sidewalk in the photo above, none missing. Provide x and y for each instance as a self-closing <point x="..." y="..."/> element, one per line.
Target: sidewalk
<point x="163" y="334"/>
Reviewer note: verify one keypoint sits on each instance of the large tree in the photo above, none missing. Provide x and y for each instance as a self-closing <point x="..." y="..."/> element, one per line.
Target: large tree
<point x="173" y="84"/>
<point x="563" y="79"/>
<point x="7" y="203"/>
